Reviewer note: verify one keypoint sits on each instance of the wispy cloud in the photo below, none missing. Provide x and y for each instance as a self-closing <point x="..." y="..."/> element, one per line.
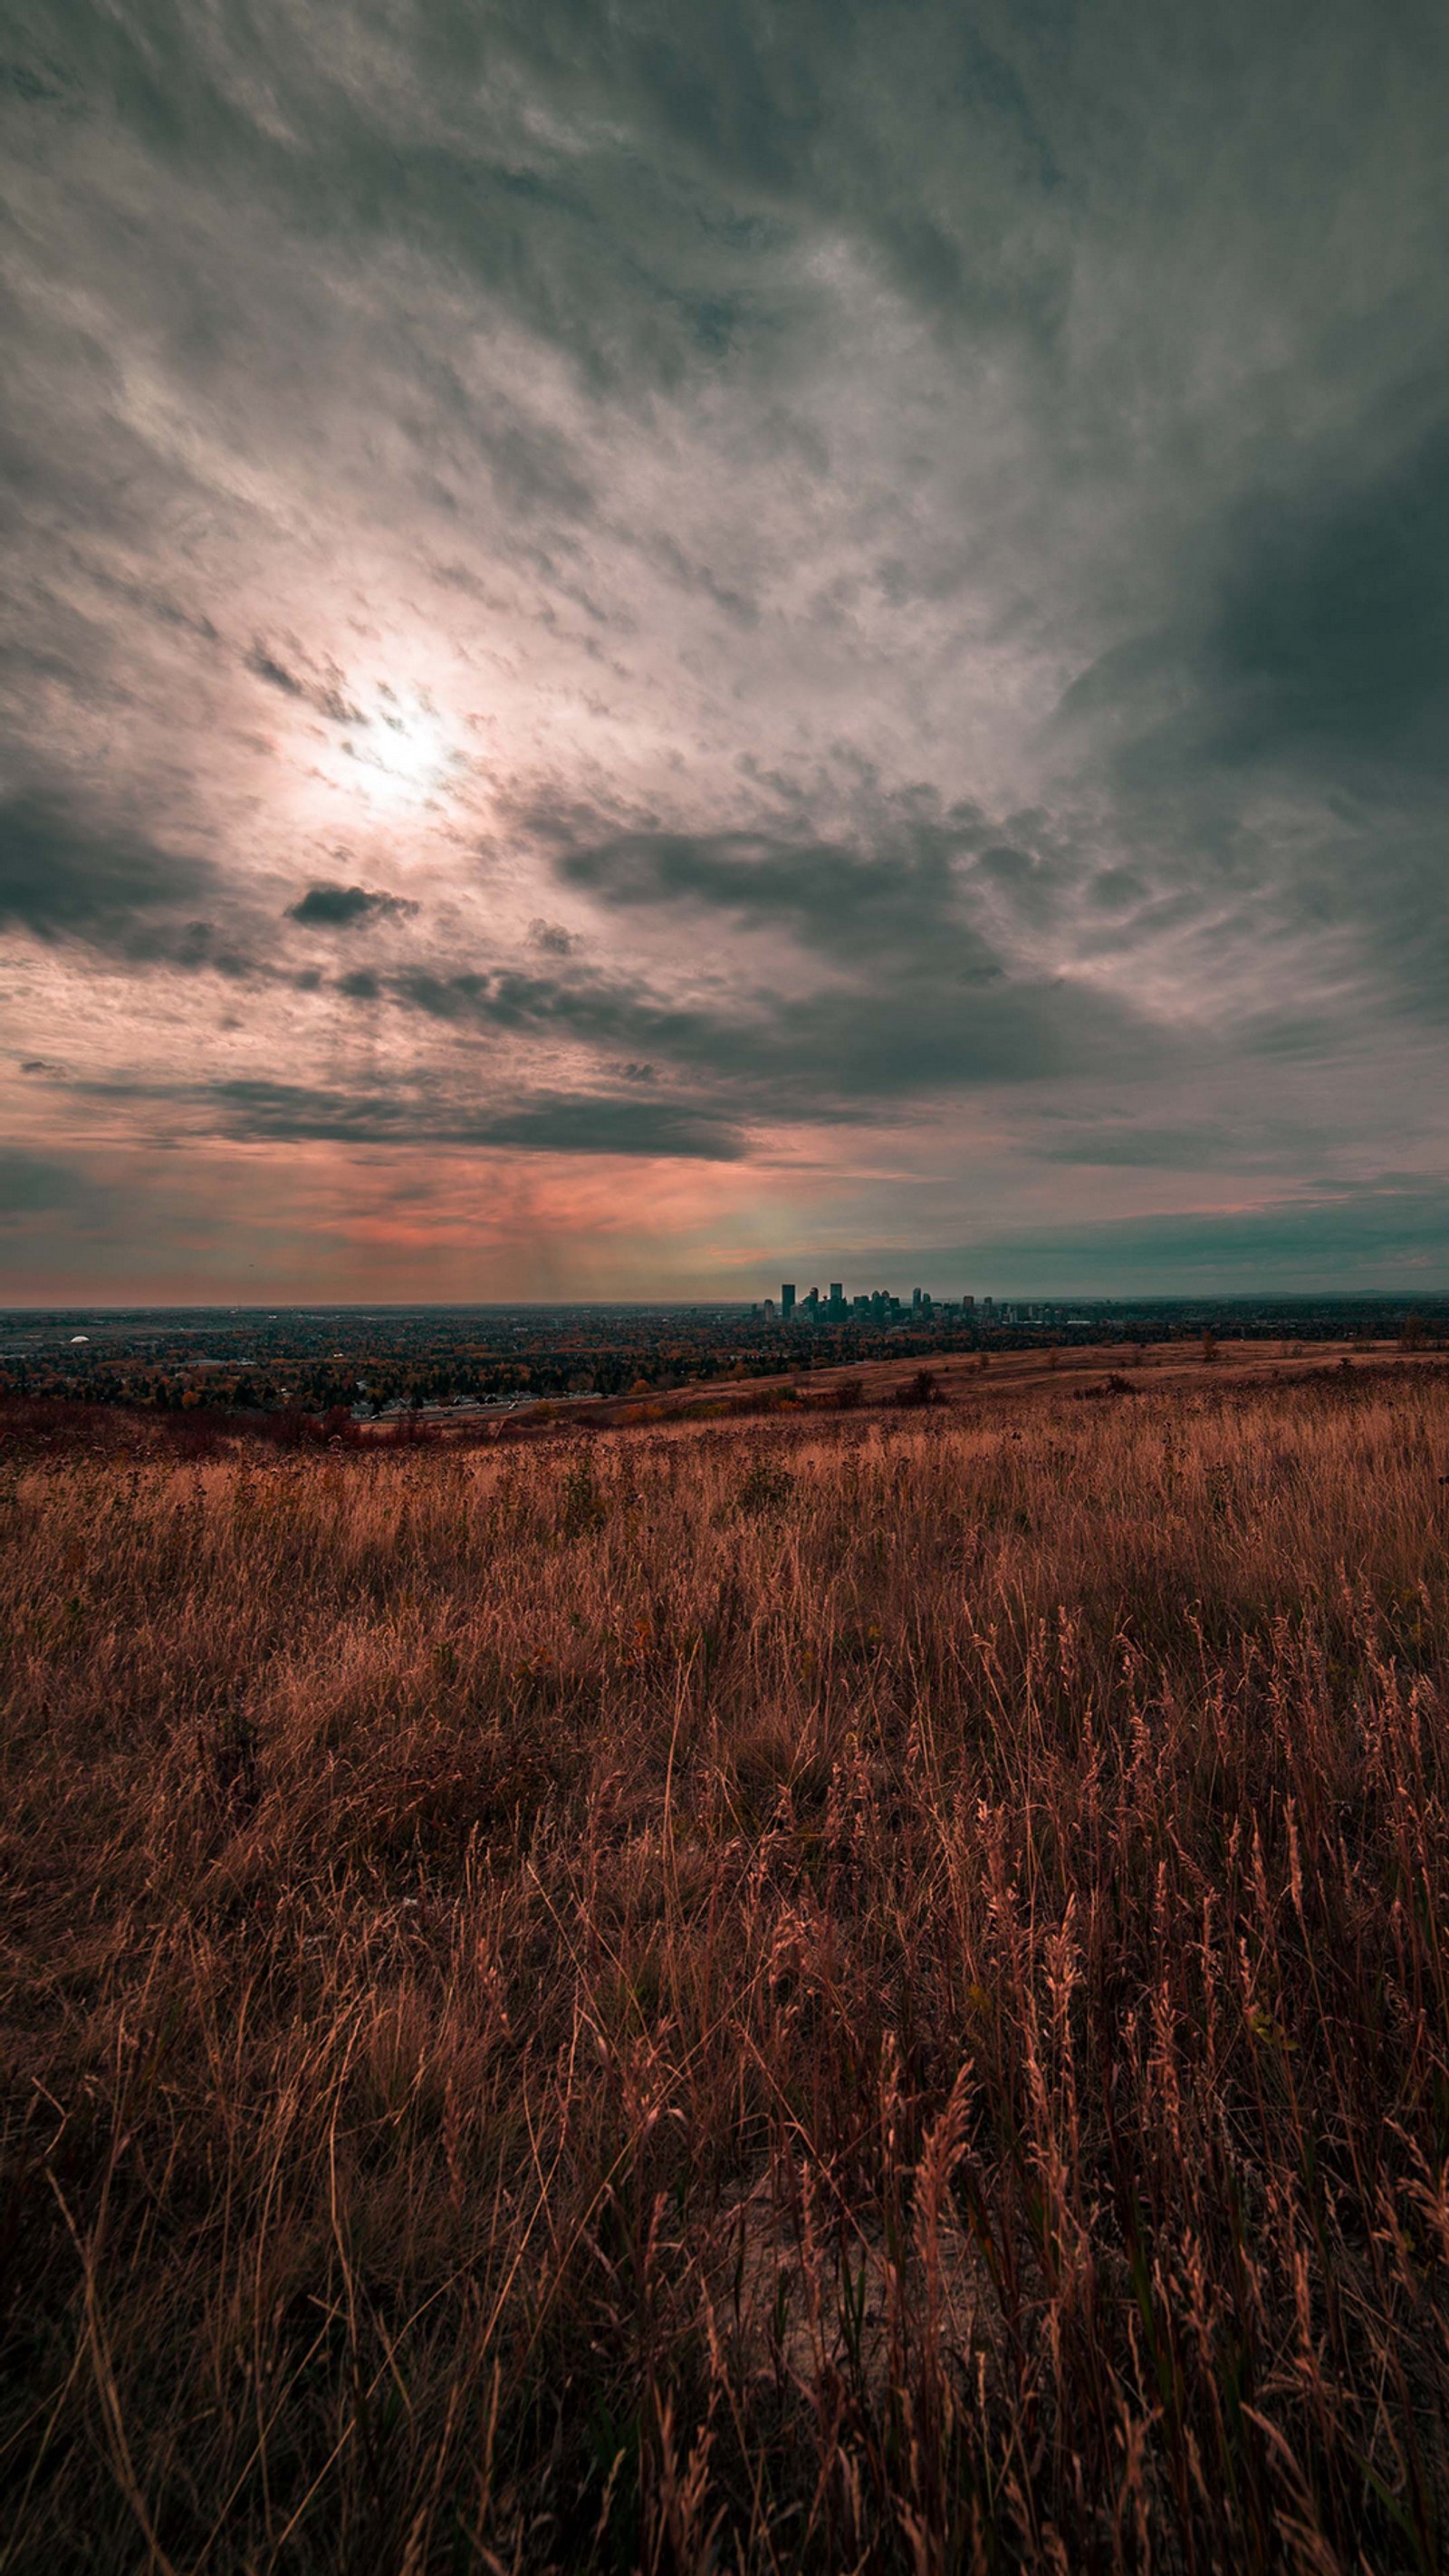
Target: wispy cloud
<point x="861" y="590"/>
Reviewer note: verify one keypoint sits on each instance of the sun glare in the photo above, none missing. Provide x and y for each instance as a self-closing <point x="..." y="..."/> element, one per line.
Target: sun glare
<point x="400" y="752"/>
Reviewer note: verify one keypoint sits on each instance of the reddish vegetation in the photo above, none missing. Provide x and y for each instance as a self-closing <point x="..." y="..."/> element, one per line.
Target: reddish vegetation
<point x="864" y="1992"/>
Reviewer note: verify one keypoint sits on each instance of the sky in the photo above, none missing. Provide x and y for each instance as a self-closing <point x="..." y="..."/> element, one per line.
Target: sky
<point x="649" y="645"/>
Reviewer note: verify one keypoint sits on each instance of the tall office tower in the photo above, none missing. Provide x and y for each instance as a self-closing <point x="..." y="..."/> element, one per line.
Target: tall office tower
<point x="837" y="1298"/>
<point x="968" y="1305"/>
<point x="915" y="1301"/>
<point x="812" y="1301"/>
<point x="787" y="1300"/>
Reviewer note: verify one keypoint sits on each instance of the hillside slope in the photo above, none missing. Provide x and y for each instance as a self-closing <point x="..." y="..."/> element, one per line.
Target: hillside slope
<point x="866" y="1992"/>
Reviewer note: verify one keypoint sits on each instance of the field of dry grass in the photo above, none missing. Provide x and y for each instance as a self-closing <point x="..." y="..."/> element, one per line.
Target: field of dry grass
<point x="857" y="1994"/>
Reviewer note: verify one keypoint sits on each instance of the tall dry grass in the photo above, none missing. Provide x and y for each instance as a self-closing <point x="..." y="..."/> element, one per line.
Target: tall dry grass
<point x="863" y="1998"/>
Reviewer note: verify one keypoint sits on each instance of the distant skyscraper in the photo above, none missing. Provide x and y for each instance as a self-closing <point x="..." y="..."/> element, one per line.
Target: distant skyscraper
<point x="787" y="1299"/>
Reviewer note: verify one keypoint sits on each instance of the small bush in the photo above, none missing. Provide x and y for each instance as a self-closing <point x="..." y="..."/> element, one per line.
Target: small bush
<point x="922" y="1387"/>
<point x="582" y="1504"/>
<point x="767" y="1487"/>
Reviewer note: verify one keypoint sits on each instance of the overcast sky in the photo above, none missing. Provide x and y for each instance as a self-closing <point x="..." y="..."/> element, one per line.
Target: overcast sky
<point x="654" y="643"/>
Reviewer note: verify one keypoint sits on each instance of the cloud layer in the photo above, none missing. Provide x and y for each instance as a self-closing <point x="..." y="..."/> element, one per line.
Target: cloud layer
<point x="641" y="642"/>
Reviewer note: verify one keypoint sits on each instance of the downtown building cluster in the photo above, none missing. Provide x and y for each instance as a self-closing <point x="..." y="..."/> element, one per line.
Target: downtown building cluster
<point x="882" y="1306"/>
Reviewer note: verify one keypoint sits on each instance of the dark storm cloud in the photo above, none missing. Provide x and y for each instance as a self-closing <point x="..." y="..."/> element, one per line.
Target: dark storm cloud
<point x="561" y="1123"/>
<point x="833" y="897"/>
<point x="570" y="1123"/>
<point x="589" y="1010"/>
<point x="1331" y="642"/>
<point x="924" y="1036"/>
<point x="1290" y="731"/>
<point x="922" y="999"/>
<point x="342" y="907"/>
<point x="1321" y="643"/>
<point x="40" y="1185"/>
<point x="64" y="874"/>
<point x="930" y="1025"/>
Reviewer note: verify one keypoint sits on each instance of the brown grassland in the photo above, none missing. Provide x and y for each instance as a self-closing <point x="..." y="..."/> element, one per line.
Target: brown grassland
<point x="853" y="1993"/>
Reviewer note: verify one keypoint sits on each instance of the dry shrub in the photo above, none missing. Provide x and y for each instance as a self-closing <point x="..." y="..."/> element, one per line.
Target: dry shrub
<point x="921" y="1387"/>
<point x="856" y="1994"/>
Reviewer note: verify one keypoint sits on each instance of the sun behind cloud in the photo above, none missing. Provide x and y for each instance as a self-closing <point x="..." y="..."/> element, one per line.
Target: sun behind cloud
<point x="402" y="754"/>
